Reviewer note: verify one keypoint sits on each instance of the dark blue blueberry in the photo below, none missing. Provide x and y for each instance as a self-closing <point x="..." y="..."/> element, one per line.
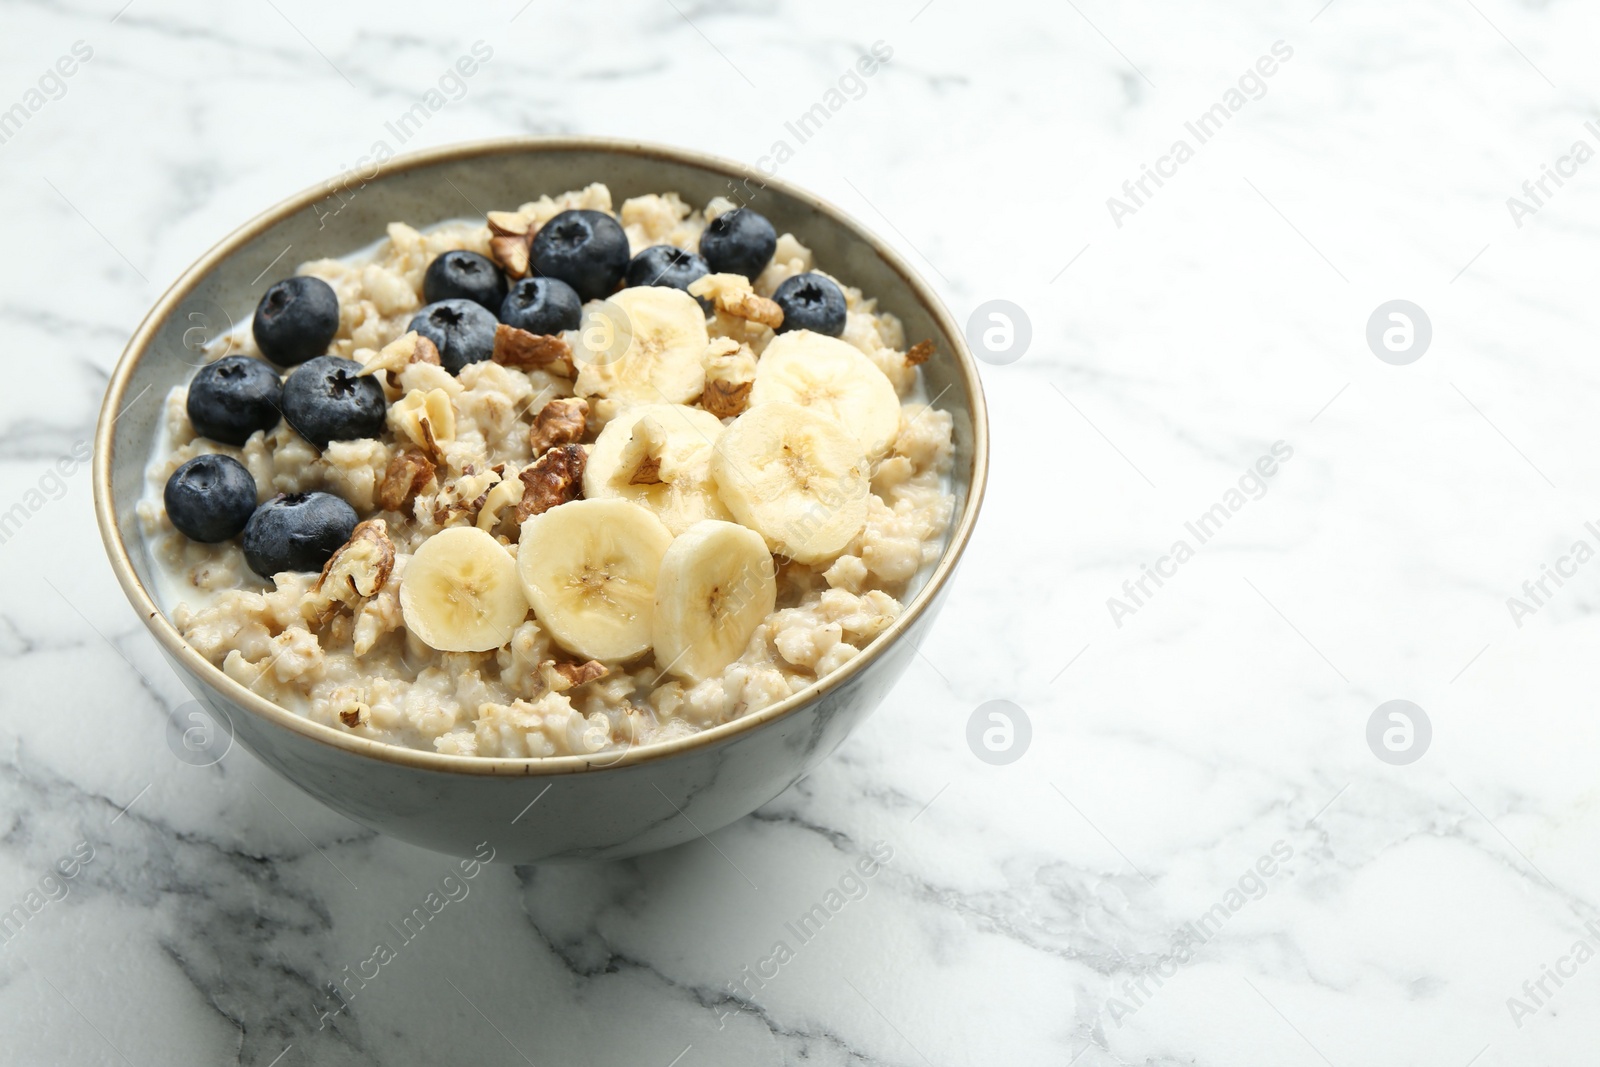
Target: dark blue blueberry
<point x="669" y="266"/>
<point x="233" y="398"/>
<point x="542" y="306"/>
<point x="811" y="302"/>
<point x="739" y="242"/>
<point x="296" y="320"/>
<point x="297" y="532"/>
<point x="464" y="276"/>
<point x="327" y="399"/>
<point x="210" y="498"/>
<point x="462" y="331"/>
<point x="585" y="249"/>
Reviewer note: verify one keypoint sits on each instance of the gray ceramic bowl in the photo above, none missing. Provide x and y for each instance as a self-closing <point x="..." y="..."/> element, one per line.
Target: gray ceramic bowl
<point x="607" y="806"/>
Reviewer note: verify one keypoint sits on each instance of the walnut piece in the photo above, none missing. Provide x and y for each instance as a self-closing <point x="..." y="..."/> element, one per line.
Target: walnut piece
<point x="408" y="348"/>
<point x="730" y="372"/>
<point x="754" y="307"/>
<point x="554" y="478"/>
<point x="733" y="295"/>
<point x="426" y="417"/>
<point x="560" y="422"/>
<point x="512" y="253"/>
<point x="509" y="224"/>
<point x="505" y="493"/>
<point x="465" y="496"/>
<point x="560" y="677"/>
<point x="524" y="350"/>
<point x="409" y="471"/>
<point x="356" y="714"/>
<point x="356" y="570"/>
<point x="726" y="399"/>
<point x="426" y="352"/>
<point x="641" y="456"/>
<point x="919" y="353"/>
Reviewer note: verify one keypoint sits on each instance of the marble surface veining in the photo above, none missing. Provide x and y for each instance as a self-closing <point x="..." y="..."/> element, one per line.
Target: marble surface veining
<point x="1199" y="858"/>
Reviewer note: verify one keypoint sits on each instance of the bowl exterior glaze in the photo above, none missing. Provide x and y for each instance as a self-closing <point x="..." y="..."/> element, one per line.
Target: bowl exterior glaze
<point x="616" y="804"/>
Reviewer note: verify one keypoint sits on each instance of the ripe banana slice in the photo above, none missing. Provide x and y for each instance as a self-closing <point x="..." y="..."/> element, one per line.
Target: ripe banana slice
<point x="794" y="476"/>
<point x="658" y="455"/>
<point x="832" y="378"/>
<point x="717" y="584"/>
<point x="460" y="592"/>
<point x="644" y="345"/>
<point x="589" y="569"/>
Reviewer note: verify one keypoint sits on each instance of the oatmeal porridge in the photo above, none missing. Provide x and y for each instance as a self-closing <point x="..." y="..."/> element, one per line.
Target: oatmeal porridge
<point x="568" y="479"/>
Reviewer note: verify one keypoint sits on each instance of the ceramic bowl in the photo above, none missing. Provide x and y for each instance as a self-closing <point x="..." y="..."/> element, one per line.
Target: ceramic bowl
<point x="606" y="806"/>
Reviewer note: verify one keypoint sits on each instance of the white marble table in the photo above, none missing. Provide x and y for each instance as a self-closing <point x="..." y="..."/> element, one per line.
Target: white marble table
<point x="1096" y="901"/>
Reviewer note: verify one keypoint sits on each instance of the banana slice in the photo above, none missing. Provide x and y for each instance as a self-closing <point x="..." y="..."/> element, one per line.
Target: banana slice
<point x="589" y="569"/>
<point x="832" y="378"/>
<point x="658" y="455"/>
<point x="644" y="345"/>
<point x="717" y="584"/>
<point x="794" y="476"/>
<point x="460" y="592"/>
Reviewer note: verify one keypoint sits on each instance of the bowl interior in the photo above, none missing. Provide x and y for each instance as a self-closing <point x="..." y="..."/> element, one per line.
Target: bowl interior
<point x="353" y="210"/>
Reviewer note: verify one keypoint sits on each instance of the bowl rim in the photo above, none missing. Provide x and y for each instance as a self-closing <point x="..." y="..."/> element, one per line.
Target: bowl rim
<point x="503" y="766"/>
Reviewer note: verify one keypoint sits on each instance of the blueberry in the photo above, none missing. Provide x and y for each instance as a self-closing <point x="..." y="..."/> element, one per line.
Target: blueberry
<point x="296" y="320"/>
<point x="210" y="498"/>
<point x="739" y="242"/>
<point x="464" y="275"/>
<point x="669" y="266"/>
<point x="811" y="302"/>
<point x="462" y="331"/>
<point x="327" y="399"/>
<point x="296" y="532"/>
<point x="585" y="249"/>
<point x="542" y="306"/>
<point x="233" y="398"/>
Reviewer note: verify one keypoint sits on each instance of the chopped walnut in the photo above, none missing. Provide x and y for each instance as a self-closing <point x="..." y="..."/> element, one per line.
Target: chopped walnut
<point x="560" y="677"/>
<point x="554" y="478"/>
<point x="356" y="714"/>
<point x="509" y="224"/>
<point x="753" y="307"/>
<point x="409" y="471"/>
<point x="426" y="417"/>
<point x="730" y="373"/>
<point x="426" y="352"/>
<point x="409" y="348"/>
<point x="356" y="570"/>
<point x="464" y="497"/>
<point x="524" y="350"/>
<point x="505" y="493"/>
<point x="560" y="422"/>
<point x="641" y="456"/>
<point x="919" y="353"/>
<point x="726" y="399"/>
<point x="733" y="295"/>
<point x="512" y="253"/>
